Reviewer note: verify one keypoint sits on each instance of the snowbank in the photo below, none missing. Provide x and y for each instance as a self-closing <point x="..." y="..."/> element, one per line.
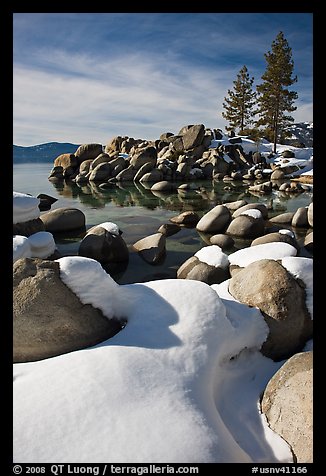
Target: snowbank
<point x="163" y="390"/>
<point x="25" y="207"/>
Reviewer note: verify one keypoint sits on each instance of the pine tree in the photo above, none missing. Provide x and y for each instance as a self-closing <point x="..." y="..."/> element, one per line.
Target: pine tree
<point x="274" y="97"/>
<point x="240" y="102"/>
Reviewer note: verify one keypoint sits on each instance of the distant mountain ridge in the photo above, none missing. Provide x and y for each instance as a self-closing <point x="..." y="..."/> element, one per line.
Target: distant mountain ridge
<point x="301" y="132"/>
<point x="42" y="152"/>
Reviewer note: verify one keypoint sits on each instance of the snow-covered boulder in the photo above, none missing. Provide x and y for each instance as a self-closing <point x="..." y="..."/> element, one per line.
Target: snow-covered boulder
<point x="245" y="256"/>
<point x="49" y="319"/>
<point x="209" y="265"/>
<point x="165" y="389"/>
<point x="21" y="247"/>
<point x="104" y="244"/>
<point x="268" y="285"/>
<point x="248" y="224"/>
<point x="42" y="244"/>
<point x="25" y="207"/>
<point x="37" y="245"/>
<point x="249" y="206"/>
<point x="284" y="236"/>
<point x="26" y="214"/>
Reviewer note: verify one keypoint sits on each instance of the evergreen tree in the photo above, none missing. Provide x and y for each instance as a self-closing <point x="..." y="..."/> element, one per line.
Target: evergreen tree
<point x="240" y="102"/>
<point x="274" y="98"/>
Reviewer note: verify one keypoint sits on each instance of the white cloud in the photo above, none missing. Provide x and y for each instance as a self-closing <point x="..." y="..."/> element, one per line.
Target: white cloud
<point x="77" y="99"/>
<point x="303" y="113"/>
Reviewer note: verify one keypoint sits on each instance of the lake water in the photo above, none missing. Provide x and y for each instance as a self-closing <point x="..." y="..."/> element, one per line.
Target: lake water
<point x="139" y="212"/>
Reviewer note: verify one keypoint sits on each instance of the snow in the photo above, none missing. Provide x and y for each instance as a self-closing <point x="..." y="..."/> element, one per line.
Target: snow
<point x="38" y="245"/>
<point x="110" y="227"/>
<point x="213" y="255"/>
<point x="275" y="251"/>
<point x="42" y="244"/>
<point x="302" y="268"/>
<point x="21" y="247"/>
<point x="303" y="156"/>
<point x="25" y="207"/>
<point x="236" y="399"/>
<point x="284" y="231"/>
<point x="308" y="172"/>
<point x="253" y="212"/>
<point x="179" y="384"/>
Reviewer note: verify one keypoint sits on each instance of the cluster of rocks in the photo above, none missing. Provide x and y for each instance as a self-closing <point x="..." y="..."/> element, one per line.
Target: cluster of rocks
<point x="185" y="156"/>
<point x="49" y="319"/>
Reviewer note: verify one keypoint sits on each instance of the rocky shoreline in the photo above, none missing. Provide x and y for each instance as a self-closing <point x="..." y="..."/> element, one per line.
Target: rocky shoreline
<point x="194" y="153"/>
<point x="55" y="311"/>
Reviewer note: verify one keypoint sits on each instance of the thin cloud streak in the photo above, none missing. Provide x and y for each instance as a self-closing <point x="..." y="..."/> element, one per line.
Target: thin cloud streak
<point x="139" y="74"/>
<point x="138" y="100"/>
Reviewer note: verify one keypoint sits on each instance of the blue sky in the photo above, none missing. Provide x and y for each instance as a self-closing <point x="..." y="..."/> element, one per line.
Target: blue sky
<point x="86" y="77"/>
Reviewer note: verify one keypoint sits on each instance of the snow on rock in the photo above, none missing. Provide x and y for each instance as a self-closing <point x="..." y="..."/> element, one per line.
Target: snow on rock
<point x="38" y="245"/>
<point x="284" y="231"/>
<point x="42" y="244"/>
<point x="25" y="207"/>
<point x="255" y="213"/>
<point x="234" y="390"/>
<point x="163" y="390"/>
<point x="21" y="247"/>
<point x="302" y="268"/>
<point x="213" y="255"/>
<point x="86" y="278"/>
<point x="110" y="227"/>
<point x="274" y="250"/>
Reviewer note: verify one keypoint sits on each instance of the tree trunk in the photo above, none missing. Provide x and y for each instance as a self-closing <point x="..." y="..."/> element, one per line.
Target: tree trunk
<point x="276" y="125"/>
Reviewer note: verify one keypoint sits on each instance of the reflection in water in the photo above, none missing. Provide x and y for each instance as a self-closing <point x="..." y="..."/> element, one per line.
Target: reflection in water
<point x="139" y="212"/>
<point x="201" y="197"/>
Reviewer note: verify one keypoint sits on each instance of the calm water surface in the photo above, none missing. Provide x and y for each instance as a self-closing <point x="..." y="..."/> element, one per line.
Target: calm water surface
<point x="139" y="212"/>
